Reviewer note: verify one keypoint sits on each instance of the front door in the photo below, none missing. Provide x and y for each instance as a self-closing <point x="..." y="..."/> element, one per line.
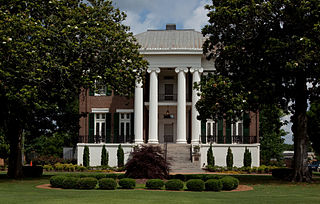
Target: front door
<point x="168" y="133"/>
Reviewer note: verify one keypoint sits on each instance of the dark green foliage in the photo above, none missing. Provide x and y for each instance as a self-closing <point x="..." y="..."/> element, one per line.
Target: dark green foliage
<point x="178" y="176"/>
<point x="147" y="162"/>
<point x="4" y="147"/>
<point x="193" y="176"/>
<point x="70" y="183"/>
<point x="86" y="156"/>
<point x="211" y="176"/>
<point x="32" y="171"/>
<point x="113" y="176"/>
<point x="229" y="183"/>
<point x="120" y="156"/>
<point x="174" y="184"/>
<point x="195" y="185"/>
<point x="154" y="184"/>
<point x="282" y="173"/>
<point x="214" y="185"/>
<point x="127" y="183"/>
<point x="121" y="176"/>
<point x="87" y="183"/>
<point x="97" y="176"/>
<point x="247" y="160"/>
<point x="57" y="181"/>
<point x="108" y="184"/>
<point x="210" y="157"/>
<point x="229" y="159"/>
<point x="104" y="156"/>
<point x="314" y="125"/>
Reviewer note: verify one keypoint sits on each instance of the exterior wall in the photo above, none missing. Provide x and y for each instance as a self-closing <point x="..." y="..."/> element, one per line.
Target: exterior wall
<point x="95" y="153"/>
<point x="220" y="154"/>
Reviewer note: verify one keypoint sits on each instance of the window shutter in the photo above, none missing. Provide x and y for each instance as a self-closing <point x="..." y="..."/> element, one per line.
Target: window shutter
<point x="108" y="127"/>
<point x="91" y="92"/>
<point x="203" y="131"/>
<point x="132" y="128"/>
<point x="228" y="132"/>
<point x="108" y="90"/>
<point x="115" y="127"/>
<point x="91" y="128"/>
<point x="246" y="128"/>
<point x="220" y="131"/>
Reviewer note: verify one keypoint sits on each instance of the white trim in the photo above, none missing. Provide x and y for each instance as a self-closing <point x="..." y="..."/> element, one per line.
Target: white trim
<point x="124" y="110"/>
<point x="100" y="110"/>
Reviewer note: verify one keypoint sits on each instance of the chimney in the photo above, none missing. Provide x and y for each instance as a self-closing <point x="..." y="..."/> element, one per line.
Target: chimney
<point x="171" y="27"/>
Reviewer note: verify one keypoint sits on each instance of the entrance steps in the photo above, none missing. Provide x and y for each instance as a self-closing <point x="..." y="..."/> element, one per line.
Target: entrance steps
<point x="179" y="157"/>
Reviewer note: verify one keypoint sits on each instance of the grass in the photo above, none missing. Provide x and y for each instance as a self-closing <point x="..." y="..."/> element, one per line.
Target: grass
<point x="266" y="190"/>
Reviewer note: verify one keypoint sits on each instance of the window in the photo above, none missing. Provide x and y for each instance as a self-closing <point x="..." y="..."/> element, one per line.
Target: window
<point x="100" y="89"/>
<point x="212" y="131"/>
<point x="100" y="126"/>
<point x="168" y="92"/>
<point x="125" y="126"/>
<point x="237" y="132"/>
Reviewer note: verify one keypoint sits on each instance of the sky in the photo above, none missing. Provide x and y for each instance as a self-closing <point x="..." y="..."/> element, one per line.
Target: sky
<point x="155" y="14"/>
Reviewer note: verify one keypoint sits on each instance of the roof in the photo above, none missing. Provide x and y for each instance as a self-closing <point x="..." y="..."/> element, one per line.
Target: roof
<point x="187" y="39"/>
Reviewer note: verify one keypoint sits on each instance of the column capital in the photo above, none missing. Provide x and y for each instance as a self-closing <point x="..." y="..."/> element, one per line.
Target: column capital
<point x="196" y="69"/>
<point x="153" y="69"/>
<point x="179" y="69"/>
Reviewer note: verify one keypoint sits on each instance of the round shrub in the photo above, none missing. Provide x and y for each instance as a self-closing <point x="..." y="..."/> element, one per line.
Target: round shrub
<point x="214" y="185"/>
<point x="195" y="185"/>
<point x="127" y="183"/>
<point x="56" y="181"/>
<point x="98" y="176"/>
<point x="107" y="183"/>
<point x="87" y="183"/>
<point x="211" y="176"/>
<point x="154" y="184"/>
<point x="229" y="183"/>
<point x="70" y="182"/>
<point x="174" y="184"/>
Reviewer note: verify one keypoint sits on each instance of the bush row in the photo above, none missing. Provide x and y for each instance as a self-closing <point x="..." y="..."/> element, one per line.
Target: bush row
<point x="73" y="167"/>
<point x="261" y="170"/>
<point x="226" y="183"/>
<point x="98" y="176"/>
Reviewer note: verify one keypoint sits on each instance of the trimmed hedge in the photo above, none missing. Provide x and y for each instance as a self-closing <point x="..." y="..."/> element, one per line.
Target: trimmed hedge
<point x="206" y="177"/>
<point x="154" y="184"/>
<point x="57" y="181"/>
<point x="70" y="182"/>
<point x="229" y="183"/>
<point x="32" y="171"/>
<point x="195" y="185"/>
<point x="178" y="176"/>
<point x="108" y="184"/>
<point x="214" y="185"/>
<point x="174" y="184"/>
<point x="127" y="183"/>
<point x="193" y="176"/>
<point x="87" y="183"/>
<point x="282" y="173"/>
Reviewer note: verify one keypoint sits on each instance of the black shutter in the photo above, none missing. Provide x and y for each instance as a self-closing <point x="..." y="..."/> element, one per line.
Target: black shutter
<point x="246" y="128"/>
<point x="220" y="131"/>
<point x="91" y="92"/>
<point x="203" y="131"/>
<point x="108" y="127"/>
<point x="115" y="127"/>
<point x="228" y="132"/>
<point x="91" y="128"/>
<point x="132" y="128"/>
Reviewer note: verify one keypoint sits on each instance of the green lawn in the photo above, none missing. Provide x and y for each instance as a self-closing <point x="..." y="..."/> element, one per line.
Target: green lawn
<point x="266" y="191"/>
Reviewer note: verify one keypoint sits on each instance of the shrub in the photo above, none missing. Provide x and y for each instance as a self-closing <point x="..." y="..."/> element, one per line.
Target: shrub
<point x="178" y="176"/>
<point x="154" y="184"/>
<point x="86" y="156"/>
<point x="87" y="183"/>
<point x="211" y="176"/>
<point x="210" y="157"/>
<point x="48" y="167"/>
<point x="70" y="182"/>
<point x="107" y="183"/>
<point x="121" y="176"/>
<point x="97" y="176"/>
<point x="147" y="162"/>
<point x="113" y="176"/>
<point x="193" y="176"/>
<point x="229" y="183"/>
<point x="229" y="159"/>
<point x="80" y="168"/>
<point x="32" y="171"/>
<point x="282" y="173"/>
<point x="195" y="185"/>
<point x="57" y="181"/>
<point x="214" y="185"/>
<point x="247" y="160"/>
<point x="174" y="184"/>
<point x="104" y="156"/>
<point x="127" y="183"/>
<point x="120" y="156"/>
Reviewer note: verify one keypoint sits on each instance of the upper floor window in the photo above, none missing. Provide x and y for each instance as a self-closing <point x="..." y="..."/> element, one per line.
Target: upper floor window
<point x="100" y="89"/>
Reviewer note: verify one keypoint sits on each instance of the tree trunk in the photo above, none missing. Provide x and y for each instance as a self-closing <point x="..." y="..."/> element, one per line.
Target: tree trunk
<point x="15" y="157"/>
<point x="301" y="172"/>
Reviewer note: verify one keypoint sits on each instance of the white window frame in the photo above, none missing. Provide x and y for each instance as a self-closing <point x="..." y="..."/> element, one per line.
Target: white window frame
<point x="125" y="120"/>
<point x="212" y="124"/>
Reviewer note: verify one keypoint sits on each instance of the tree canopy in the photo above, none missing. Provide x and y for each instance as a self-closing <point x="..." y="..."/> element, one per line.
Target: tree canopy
<point x="49" y="51"/>
<point x="267" y="52"/>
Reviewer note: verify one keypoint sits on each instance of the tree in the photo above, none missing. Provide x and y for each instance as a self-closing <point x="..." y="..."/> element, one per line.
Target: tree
<point x="4" y="147"/>
<point x="265" y="52"/>
<point x="49" y="53"/>
<point x="314" y="125"/>
<point x="210" y="157"/>
<point x="270" y="133"/>
<point x="120" y="156"/>
<point x="229" y="159"/>
<point x="104" y="156"/>
<point x="247" y="159"/>
<point x="86" y="156"/>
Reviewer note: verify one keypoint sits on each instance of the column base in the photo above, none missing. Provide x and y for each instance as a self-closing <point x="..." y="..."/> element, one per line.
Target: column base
<point x="196" y="142"/>
<point x="138" y="142"/>
<point x="153" y="142"/>
<point x="181" y="142"/>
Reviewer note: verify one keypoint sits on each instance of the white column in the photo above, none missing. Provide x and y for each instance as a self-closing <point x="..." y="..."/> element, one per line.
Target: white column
<point x="138" y="112"/>
<point x="153" y="105"/>
<point x="196" y="124"/>
<point x="181" y="109"/>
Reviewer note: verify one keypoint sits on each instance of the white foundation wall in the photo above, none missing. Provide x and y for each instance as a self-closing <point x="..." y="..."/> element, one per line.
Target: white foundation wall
<point x="95" y="153"/>
<point x="220" y="154"/>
